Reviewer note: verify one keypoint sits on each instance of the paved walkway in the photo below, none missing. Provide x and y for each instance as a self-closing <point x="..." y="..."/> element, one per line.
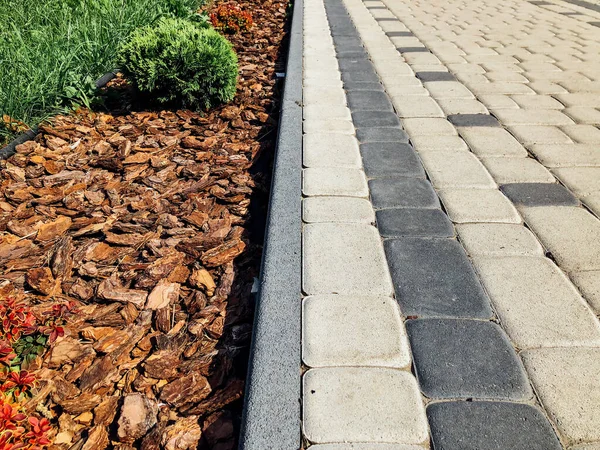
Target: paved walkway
<point x="451" y="246"/>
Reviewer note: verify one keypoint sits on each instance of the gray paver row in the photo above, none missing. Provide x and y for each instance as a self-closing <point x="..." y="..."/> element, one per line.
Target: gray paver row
<point x="456" y="354"/>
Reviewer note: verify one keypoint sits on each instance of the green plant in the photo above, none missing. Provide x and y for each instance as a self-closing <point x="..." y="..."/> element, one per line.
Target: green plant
<point x="53" y="50"/>
<point x="181" y="62"/>
<point x="230" y="18"/>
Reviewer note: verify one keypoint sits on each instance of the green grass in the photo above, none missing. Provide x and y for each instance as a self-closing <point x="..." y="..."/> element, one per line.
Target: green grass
<point x="52" y="51"/>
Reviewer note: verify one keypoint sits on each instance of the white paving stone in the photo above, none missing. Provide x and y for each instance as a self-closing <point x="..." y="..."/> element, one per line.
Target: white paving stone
<point x="349" y="446"/>
<point x="566" y="380"/>
<point x="334" y="181"/>
<point x="492" y="141"/>
<point x="581" y="181"/>
<point x="363" y="405"/>
<point x="478" y="205"/>
<point x="343" y="330"/>
<point x="337" y="209"/>
<point x="316" y="112"/>
<point x="416" y="106"/>
<point x="570" y="233"/>
<point x="567" y="155"/>
<point x="537" y="304"/>
<point x="498" y="239"/>
<point x="325" y="125"/>
<point x="588" y="284"/>
<point x="344" y="259"/>
<point x="517" y="170"/>
<point x="331" y="150"/>
<point x="539" y="134"/>
<point x="443" y="143"/>
<point x="456" y="170"/>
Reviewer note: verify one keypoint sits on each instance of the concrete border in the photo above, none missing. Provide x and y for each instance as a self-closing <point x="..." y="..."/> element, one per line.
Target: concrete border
<point x="272" y="403"/>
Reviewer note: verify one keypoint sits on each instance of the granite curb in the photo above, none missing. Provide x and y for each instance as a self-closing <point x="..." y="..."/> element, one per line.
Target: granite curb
<point x="272" y="402"/>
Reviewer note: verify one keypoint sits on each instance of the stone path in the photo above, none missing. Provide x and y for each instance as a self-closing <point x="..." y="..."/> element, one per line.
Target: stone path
<point x="451" y="242"/>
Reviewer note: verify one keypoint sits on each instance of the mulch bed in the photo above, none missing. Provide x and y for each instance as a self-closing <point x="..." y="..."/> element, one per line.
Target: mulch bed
<point x="151" y="223"/>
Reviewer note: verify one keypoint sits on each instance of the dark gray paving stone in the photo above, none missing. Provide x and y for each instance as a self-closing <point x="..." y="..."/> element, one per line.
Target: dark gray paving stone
<point x="435" y="76"/>
<point x="375" y="119"/>
<point x="539" y="194"/>
<point x="414" y="222"/>
<point x="402" y="193"/>
<point x="412" y="49"/>
<point x="363" y="86"/>
<point x="473" y="120"/>
<point x="461" y="358"/>
<point x="355" y="55"/>
<point x="595" y="24"/>
<point x="347" y="40"/>
<point x="399" y="33"/>
<point x="389" y="159"/>
<point x="434" y="278"/>
<point x="489" y="426"/>
<point x="355" y="64"/>
<point x="368" y="100"/>
<point x="363" y="75"/>
<point x="381" y="134"/>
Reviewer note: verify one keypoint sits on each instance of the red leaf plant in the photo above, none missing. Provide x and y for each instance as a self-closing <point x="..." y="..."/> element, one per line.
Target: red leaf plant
<point x="230" y="18"/>
<point x="16" y="319"/>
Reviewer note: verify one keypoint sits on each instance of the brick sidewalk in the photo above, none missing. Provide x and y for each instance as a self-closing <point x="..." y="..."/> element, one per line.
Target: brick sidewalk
<point x="467" y="317"/>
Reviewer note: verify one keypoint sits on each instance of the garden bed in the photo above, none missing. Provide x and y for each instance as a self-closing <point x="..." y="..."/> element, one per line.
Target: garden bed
<point x="134" y="238"/>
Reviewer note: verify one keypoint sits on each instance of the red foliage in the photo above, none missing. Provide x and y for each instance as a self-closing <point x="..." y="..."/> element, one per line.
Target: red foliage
<point x="230" y="18"/>
<point x="17" y="320"/>
<point x="18" y="382"/>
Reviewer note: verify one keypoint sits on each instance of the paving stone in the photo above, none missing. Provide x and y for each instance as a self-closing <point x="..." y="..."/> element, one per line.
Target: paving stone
<point x="317" y="112"/>
<point x="459" y="358"/>
<point x="498" y="239"/>
<point x="517" y="170"/>
<point x="336" y="126"/>
<point x="416" y="106"/>
<point x="506" y="76"/>
<point x="537" y="101"/>
<point x="363" y="86"/>
<point x="368" y="101"/>
<point x="388" y="159"/>
<point x="416" y="222"/>
<point x="567" y="155"/>
<point x="489" y="141"/>
<point x="448" y="89"/>
<point x="532" y="117"/>
<point x="497" y="87"/>
<point x="412" y="49"/>
<point x="539" y="134"/>
<point x="566" y="381"/>
<point x="337" y="209"/>
<point x="428" y="127"/>
<point x="582" y="114"/>
<point x="434" y="278"/>
<point x="399" y="33"/>
<point x="570" y="233"/>
<point x="334" y="181"/>
<point x="478" y="205"/>
<point x="456" y="170"/>
<point x="592" y="202"/>
<point x="323" y="96"/>
<point x="539" y="194"/>
<point x="473" y="120"/>
<point x="341" y="330"/>
<point x="375" y="119"/>
<point x="453" y="106"/>
<point x="585" y="134"/>
<point x="344" y="259"/>
<point x="546" y="87"/>
<point x="406" y="91"/>
<point x="581" y="181"/>
<point x="365" y="75"/>
<point x="435" y="76"/>
<point x="402" y="193"/>
<point x="359" y="64"/>
<point x="381" y="134"/>
<point x="536" y="303"/>
<point x="497" y="101"/>
<point x="588" y="284"/>
<point x="331" y="150"/>
<point x="362" y="404"/>
<point x="489" y="426"/>
<point x="439" y="144"/>
<point x="590" y="446"/>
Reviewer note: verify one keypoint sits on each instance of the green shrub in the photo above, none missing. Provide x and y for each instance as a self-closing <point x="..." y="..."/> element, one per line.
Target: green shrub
<point x="181" y="62"/>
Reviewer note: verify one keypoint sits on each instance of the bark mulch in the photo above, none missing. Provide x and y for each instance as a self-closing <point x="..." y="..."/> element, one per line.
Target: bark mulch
<point x="148" y="222"/>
